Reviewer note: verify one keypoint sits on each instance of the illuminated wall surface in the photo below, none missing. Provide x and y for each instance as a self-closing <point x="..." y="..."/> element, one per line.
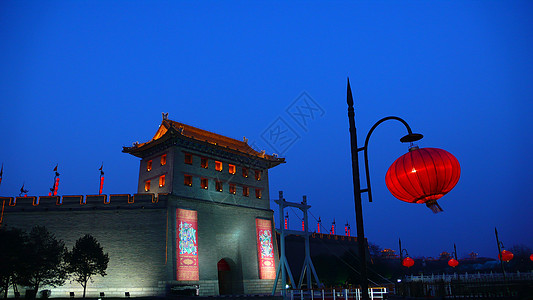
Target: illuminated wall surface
<point x="187" y="245"/>
<point x="265" y="249"/>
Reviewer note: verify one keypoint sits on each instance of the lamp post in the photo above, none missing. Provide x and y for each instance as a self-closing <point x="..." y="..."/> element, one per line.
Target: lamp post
<point x="410" y="137"/>
<point x="454" y="262"/>
<point x="407" y="261"/>
<point x="503" y="255"/>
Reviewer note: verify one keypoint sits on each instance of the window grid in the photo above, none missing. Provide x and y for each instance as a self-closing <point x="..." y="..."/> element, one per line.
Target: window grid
<point x="204" y="163"/>
<point x="188" y="158"/>
<point x="218" y="165"/>
<point x="187" y="180"/>
<point x="149" y="165"/>
<point x="204" y="183"/>
<point x="147" y="185"/>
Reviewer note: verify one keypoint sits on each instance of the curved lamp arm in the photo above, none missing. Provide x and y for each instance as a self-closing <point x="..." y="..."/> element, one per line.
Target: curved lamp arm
<point x="402" y="250"/>
<point x="409" y="138"/>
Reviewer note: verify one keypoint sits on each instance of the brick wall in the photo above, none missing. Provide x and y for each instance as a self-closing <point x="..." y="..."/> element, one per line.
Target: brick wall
<point x="134" y="237"/>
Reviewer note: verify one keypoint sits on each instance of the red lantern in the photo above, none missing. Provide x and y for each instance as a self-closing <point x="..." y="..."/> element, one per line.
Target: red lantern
<point x="408" y="262"/>
<point x="531" y="257"/>
<point x="453" y="263"/>
<point x="506" y="255"/>
<point x="423" y="176"/>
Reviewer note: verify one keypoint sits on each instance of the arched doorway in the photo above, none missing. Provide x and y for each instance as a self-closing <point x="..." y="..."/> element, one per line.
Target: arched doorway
<point x="224" y="277"/>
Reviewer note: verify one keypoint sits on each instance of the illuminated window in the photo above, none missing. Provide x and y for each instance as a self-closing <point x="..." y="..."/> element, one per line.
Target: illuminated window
<point x="187" y="180"/>
<point x="245" y="191"/>
<point x="162" y="181"/>
<point x="163" y="159"/>
<point x="258" y="193"/>
<point x="149" y="165"/>
<point x="188" y="158"/>
<point x="204" y="162"/>
<point x="244" y="172"/>
<point x="231" y="169"/>
<point x="218" y="185"/>
<point x="257" y="175"/>
<point x="232" y="188"/>
<point x="147" y="185"/>
<point x="203" y="183"/>
<point x="218" y="165"/>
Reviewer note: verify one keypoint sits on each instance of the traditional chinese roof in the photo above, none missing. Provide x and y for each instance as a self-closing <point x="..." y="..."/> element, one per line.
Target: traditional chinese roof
<point x="171" y="129"/>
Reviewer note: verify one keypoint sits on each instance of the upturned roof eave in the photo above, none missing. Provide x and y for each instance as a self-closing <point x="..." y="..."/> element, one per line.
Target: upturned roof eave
<point x="171" y="132"/>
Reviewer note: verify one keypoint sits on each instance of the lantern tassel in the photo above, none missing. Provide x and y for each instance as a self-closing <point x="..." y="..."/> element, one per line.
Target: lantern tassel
<point x="434" y="206"/>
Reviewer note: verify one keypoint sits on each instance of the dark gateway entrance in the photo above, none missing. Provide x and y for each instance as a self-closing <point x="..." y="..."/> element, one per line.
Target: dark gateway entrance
<point x="229" y="279"/>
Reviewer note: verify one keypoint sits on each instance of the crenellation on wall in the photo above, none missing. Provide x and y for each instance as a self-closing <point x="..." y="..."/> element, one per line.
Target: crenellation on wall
<point x="25" y="201"/>
<point x="81" y="202"/>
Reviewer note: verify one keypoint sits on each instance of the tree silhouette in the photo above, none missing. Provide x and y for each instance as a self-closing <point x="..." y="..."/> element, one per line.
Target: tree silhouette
<point x="43" y="261"/>
<point x="86" y="259"/>
<point x="12" y="243"/>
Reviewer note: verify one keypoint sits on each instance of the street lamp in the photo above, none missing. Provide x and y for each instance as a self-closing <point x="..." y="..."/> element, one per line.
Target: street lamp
<point x="415" y="158"/>
<point x="407" y="261"/>
<point x="503" y="255"/>
<point x="454" y="262"/>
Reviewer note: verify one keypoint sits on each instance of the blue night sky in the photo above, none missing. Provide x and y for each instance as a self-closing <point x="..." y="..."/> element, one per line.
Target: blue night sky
<point x="81" y="79"/>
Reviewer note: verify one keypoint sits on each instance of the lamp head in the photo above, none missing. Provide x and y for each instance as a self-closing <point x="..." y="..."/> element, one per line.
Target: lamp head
<point x="411" y="137"/>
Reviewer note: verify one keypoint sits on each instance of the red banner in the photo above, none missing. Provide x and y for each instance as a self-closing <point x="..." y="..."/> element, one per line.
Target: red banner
<point x="265" y="249"/>
<point x="187" y="245"/>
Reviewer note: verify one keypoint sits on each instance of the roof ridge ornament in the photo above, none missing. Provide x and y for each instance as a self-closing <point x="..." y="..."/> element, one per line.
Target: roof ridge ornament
<point x="165" y="116"/>
<point x="244" y="139"/>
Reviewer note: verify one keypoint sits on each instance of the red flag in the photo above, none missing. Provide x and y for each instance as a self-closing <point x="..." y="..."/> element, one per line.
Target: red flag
<point x="101" y="179"/>
<point x="101" y="185"/>
<point x="55" y="183"/>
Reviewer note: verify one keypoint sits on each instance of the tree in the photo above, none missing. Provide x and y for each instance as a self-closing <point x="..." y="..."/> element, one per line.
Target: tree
<point x="12" y="243"/>
<point x="86" y="259"/>
<point x="44" y="260"/>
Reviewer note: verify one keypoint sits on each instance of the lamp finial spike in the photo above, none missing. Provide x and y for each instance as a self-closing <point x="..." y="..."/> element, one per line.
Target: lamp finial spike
<point x="349" y="97"/>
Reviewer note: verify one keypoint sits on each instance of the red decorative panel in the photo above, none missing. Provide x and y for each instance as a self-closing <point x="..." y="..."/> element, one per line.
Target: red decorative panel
<point x="187" y="245"/>
<point x="265" y="249"/>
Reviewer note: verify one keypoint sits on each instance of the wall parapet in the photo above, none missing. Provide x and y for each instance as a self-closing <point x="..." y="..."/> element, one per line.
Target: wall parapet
<point x="112" y="201"/>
